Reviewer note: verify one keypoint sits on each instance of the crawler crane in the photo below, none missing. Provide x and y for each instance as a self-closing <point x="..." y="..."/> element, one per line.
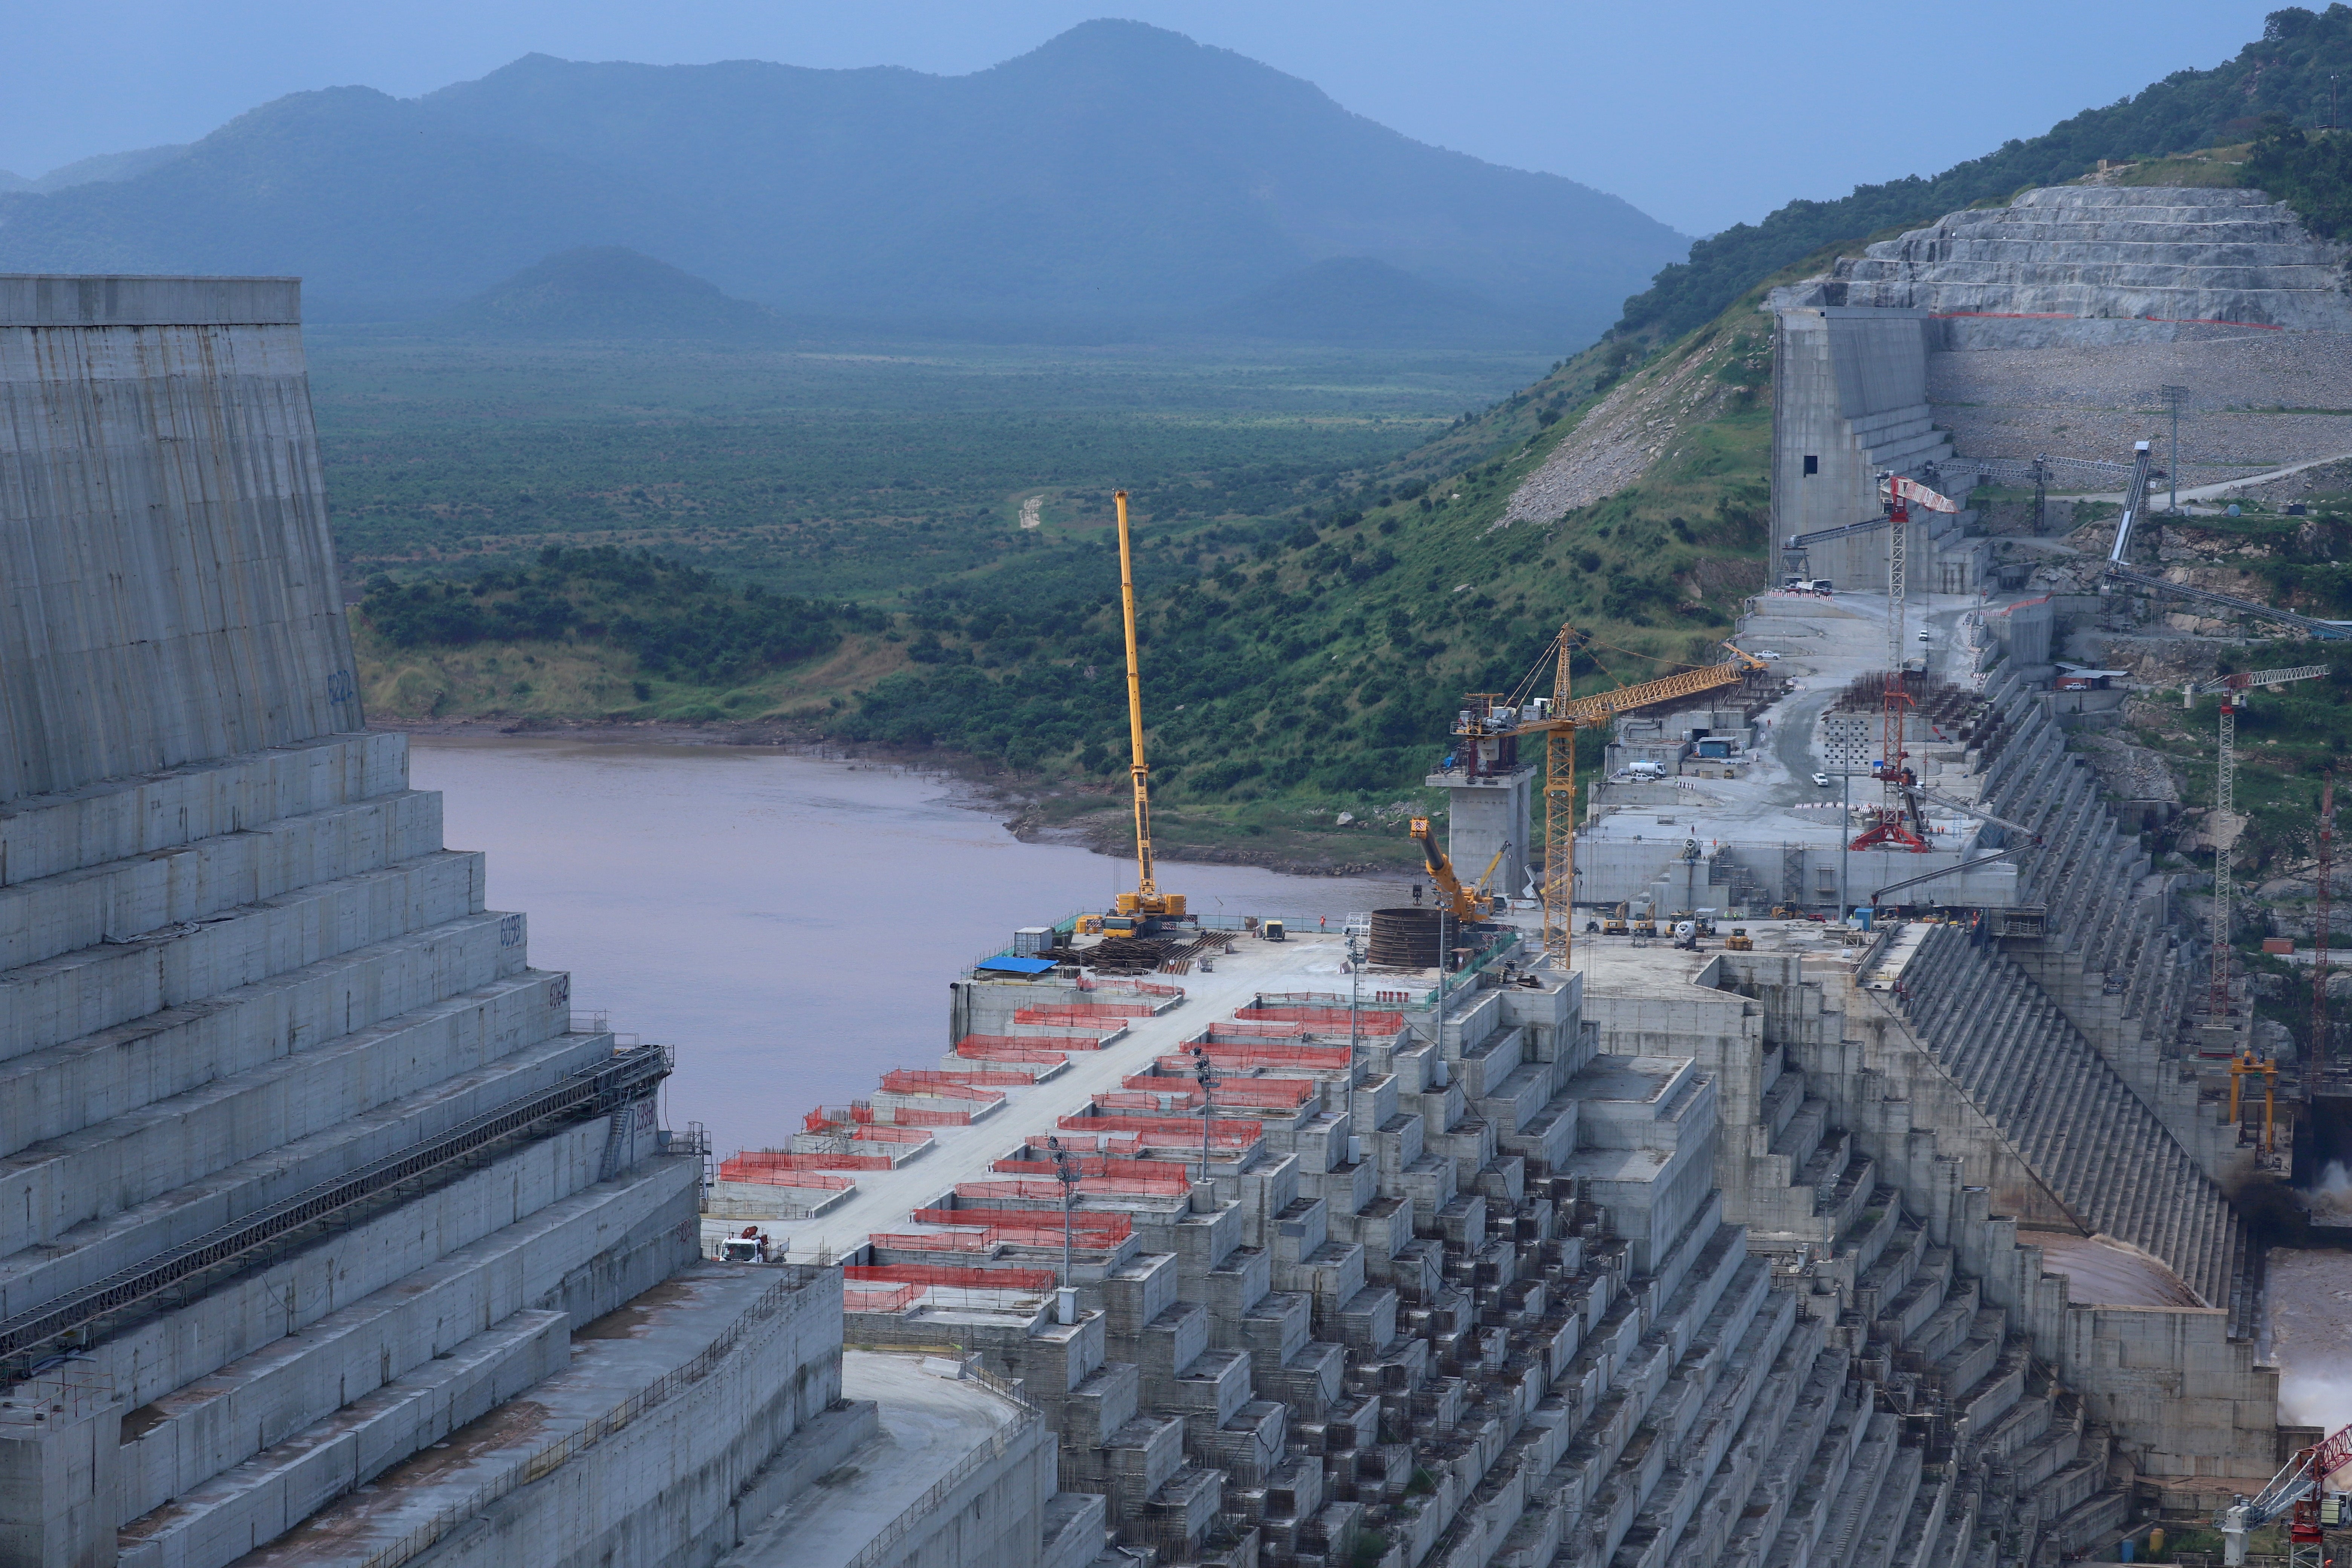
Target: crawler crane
<point x="1146" y="903"/>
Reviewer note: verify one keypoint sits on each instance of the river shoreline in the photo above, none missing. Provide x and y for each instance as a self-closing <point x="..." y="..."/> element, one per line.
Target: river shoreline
<point x="1035" y="811"/>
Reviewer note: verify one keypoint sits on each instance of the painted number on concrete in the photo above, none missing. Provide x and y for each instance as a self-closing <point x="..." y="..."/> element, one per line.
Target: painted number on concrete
<point x="559" y="991"/>
<point x="510" y="932"/>
<point x="340" y="688"/>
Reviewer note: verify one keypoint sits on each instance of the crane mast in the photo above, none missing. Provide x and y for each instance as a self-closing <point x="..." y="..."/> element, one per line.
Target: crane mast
<point x="2316" y="1067"/>
<point x="1558" y="720"/>
<point x="2233" y="690"/>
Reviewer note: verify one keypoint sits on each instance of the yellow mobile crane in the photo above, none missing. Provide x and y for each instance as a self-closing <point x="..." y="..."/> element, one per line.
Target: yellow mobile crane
<point x="1463" y="903"/>
<point x="1148" y="904"/>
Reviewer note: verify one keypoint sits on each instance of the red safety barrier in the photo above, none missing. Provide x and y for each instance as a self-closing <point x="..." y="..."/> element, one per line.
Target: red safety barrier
<point x="986" y="1048"/>
<point x="1180" y="1128"/>
<point x="1261" y="1091"/>
<point x="1093" y="1165"/>
<point x="806" y="1181"/>
<point x="883" y="1132"/>
<point x="1264" y="1056"/>
<point x="1031" y="1042"/>
<point x="918" y="1080"/>
<point x="1370" y="1022"/>
<point x="933" y="1240"/>
<point x="1175" y="1184"/>
<point x="1084" y="1012"/>
<point x="1260" y="1029"/>
<point x="909" y="1115"/>
<point x="964" y="1092"/>
<point x="741" y="1167"/>
<point x="1130" y="987"/>
<point x="1105" y="1221"/>
<point x="897" y="1300"/>
<point x="946" y="1274"/>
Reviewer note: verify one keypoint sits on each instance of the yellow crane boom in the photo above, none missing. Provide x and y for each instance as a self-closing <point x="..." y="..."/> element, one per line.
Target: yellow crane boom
<point x="1569" y="714"/>
<point x="1147" y="899"/>
<point x="1463" y="903"/>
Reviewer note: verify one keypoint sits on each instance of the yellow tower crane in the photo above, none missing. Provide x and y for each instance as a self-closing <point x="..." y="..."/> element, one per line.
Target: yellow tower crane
<point x="1146" y="903"/>
<point x="1559" y="719"/>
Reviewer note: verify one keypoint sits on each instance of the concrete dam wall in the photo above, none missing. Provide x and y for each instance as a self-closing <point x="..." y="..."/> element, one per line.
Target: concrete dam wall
<point x="171" y="593"/>
<point x="314" y="1195"/>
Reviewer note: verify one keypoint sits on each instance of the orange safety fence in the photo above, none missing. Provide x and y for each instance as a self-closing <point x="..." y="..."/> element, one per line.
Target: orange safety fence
<point x="884" y="1133"/>
<point x="933" y="1240"/>
<point x="1173" y="1185"/>
<point x="750" y="1165"/>
<point x="807" y="1181"/>
<point x="1091" y="1165"/>
<point x="918" y="1080"/>
<point x="1259" y="1031"/>
<point x="1265" y="1055"/>
<point x="913" y="1116"/>
<point x="1030" y="1042"/>
<point x="1131" y="987"/>
<point x="1038" y="1235"/>
<point x="896" y="1299"/>
<point x="946" y="1274"/>
<point x="1108" y="1221"/>
<point x="1178" y="1127"/>
<point x="1083" y="1013"/>
<point x="1265" y="1091"/>
<point x="1368" y="1021"/>
<point x="969" y="1091"/>
<point x="985" y="1048"/>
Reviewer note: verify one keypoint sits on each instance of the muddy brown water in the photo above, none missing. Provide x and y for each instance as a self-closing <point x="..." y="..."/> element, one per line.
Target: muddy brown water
<point x="789" y="924"/>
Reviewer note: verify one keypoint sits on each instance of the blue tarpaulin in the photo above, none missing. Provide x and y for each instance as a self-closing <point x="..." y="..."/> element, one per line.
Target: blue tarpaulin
<point x="1017" y="966"/>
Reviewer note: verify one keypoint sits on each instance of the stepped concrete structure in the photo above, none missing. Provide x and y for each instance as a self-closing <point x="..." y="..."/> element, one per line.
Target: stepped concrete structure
<point x="329" y="1233"/>
<point x="1674" y="1259"/>
<point x="2100" y="264"/>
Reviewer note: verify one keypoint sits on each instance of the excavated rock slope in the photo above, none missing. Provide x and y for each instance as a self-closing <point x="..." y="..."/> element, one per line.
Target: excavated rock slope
<point x="2160" y="253"/>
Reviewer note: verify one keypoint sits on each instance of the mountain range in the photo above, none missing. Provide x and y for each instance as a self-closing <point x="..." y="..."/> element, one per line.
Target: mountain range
<point x="1119" y="174"/>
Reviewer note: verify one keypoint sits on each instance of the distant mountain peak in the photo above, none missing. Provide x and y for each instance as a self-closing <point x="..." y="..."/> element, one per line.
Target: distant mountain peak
<point x="605" y="291"/>
<point x="1119" y="178"/>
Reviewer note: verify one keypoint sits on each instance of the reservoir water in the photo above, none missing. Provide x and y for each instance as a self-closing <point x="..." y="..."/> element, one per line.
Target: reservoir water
<point x="789" y="924"/>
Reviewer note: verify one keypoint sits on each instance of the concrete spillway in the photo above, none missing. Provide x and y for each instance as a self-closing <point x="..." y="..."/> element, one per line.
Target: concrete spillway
<point x="312" y="1194"/>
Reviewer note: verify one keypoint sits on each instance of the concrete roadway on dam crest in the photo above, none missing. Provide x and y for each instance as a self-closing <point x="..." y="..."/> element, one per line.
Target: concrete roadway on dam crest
<point x="1824" y="645"/>
<point x="884" y="1198"/>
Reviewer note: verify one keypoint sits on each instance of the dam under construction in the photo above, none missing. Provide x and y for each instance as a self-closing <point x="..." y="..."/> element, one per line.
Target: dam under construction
<point x="1787" y="1236"/>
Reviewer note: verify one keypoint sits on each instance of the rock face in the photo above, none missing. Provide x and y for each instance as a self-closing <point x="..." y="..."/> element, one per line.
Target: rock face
<point x="2161" y="256"/>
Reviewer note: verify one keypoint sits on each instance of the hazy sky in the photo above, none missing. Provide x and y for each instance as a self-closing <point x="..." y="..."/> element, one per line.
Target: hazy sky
<point x="1702" y="113"/>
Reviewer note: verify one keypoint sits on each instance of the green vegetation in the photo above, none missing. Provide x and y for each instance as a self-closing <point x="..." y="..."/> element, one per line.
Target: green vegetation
<point x="2310" y="172"/>
<point x="1326" y="661"/>
<point x="2284" y="74"/>
<point x="675" y="621"/>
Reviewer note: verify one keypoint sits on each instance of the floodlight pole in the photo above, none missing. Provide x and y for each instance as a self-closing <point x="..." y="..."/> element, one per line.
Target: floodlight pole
<point x="2174" y="396"/>
<point x="1066" y="1171"/>
<point x="1355" y="989"/>
<point x="1203" y="1074"/>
